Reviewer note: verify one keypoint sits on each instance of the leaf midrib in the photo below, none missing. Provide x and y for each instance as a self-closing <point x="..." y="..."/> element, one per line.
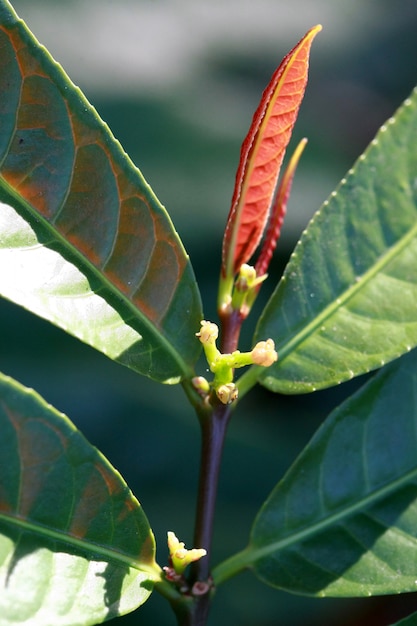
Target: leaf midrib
<point x="330" y="520"/>
<point x="84" y="545"/>
<point x="309" y="329"/>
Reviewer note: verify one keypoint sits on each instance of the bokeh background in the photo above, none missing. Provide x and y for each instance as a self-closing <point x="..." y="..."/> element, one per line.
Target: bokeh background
<point x="178" y="81"/>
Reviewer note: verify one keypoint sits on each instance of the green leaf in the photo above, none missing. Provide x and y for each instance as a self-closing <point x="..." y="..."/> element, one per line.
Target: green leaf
<point x="347" y="301"/>
<point x="343" y="520"/>
<point x="411" y="620"/>
<point x="75" y="545"/>
<point x="84" y="242"/>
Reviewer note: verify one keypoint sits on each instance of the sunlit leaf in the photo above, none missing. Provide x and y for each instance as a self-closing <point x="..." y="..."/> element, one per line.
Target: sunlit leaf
<point x="75" y="545"/>
<point x="343" y="520"/>
<point x="262" y="153"/>
<point x="84" y="242"/>
<point x="347" y="301"/>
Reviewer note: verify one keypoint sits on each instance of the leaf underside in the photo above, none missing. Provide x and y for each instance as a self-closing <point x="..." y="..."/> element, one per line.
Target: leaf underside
<point x="343" y="521"/>
<point x="84" y="242"/>
<point x="75" y="545"/>
<point x="347" y="301"/>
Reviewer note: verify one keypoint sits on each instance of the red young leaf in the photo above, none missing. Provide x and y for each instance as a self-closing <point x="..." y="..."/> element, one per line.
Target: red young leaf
<point x="278" y="212"/>
<point x="261" y="156"/>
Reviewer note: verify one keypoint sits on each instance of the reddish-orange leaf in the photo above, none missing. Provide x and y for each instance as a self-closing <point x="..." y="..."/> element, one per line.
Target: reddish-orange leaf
<point x="278" y="212"/>
<point x="261" y="156"/>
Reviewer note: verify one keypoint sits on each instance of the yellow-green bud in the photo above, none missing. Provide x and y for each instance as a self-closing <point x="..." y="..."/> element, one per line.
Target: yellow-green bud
<point x="264" y="353"/>
<point x="208" y="332"/>
<point x="180" y="556"/>
<point x="247" y="274"/>
<point x="200" y="384"/>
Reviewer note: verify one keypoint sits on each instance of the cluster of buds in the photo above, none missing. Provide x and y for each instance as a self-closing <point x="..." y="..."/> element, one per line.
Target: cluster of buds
<point x="223" y="365"/>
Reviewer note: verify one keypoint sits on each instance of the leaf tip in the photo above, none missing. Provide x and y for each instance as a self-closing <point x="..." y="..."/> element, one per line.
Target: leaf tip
<point x="261" y="159"/>
<point x="316" y="29"/>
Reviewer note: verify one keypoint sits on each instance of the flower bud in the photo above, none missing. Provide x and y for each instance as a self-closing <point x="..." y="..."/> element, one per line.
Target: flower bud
<point x="180" y="556"/>
<point x="201" y="385"/>
<point x="208" y="332"/>
<point x="227" y="393"/>
<point x="264" y="353"/>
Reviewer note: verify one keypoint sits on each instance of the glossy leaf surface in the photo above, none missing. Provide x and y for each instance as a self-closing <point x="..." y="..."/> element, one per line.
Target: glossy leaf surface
<point x="75" y="545"/>
<point x="84" y="242"/>
<point x="262" y="153"/>
<point x="347" y="301"/>
<point x="343" y="521"/>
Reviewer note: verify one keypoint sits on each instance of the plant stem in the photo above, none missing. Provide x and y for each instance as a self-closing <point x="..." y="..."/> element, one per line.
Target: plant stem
<point x="231" y="322"/>
<point x="232" y="566"/>
<point x="214" y="418"/>
<point x="213" y="431"/>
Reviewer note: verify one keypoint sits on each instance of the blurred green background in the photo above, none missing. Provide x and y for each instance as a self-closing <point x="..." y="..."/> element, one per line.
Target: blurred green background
<point x="178" y="81"/>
